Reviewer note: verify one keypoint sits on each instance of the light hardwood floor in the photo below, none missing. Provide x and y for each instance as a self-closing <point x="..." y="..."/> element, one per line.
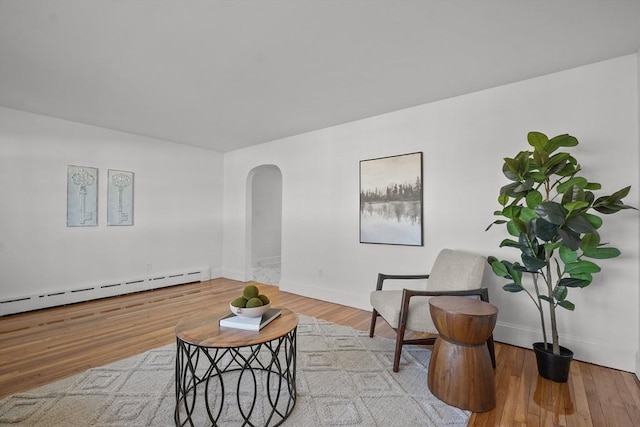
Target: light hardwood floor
<point x="46" y="345"/>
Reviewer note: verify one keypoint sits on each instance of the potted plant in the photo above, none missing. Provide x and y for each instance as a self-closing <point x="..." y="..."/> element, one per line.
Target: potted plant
<point x="549" y="210"/>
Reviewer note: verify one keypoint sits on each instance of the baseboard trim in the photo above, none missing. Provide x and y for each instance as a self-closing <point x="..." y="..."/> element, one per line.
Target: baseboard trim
<point x="105" y="289"/>
<point x="240" y="276"/>
<point x="617" y="357"/>
<point x="316" y="292"/>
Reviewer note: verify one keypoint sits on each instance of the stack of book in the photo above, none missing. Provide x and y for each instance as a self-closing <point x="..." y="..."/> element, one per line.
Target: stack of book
<point x="250" y="323"/>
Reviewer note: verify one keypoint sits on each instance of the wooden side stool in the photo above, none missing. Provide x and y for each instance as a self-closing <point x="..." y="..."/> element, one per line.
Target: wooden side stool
<point x="460" y="371"/>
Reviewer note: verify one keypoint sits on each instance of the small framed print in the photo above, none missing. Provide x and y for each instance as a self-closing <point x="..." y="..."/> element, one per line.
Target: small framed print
<point x="82" y="196"/>
<point x="119" y="197"/>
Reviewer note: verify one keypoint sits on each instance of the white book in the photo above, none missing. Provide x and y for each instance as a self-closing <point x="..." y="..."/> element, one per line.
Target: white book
<point x="250" y="323"/>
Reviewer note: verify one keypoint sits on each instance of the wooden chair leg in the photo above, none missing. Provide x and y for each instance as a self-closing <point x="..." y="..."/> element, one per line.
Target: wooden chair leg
<point x="402" y="326"/>
<point x="492" y="351"/>
<point x="374" y="317"/>
<point x="398" y="352"/>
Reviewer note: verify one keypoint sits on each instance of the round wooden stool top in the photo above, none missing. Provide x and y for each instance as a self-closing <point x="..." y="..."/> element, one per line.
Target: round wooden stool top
<point x="463" y="320"/>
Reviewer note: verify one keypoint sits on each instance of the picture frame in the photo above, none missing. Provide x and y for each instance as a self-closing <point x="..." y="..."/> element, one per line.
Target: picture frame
<point x="391" y="200"/>
<point x="120" y="186"/>
<point x="82" y="196"/>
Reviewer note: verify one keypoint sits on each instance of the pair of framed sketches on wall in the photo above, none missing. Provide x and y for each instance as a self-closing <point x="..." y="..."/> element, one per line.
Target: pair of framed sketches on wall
<point x="391" y="200"/>
<point x="82" y="197"/>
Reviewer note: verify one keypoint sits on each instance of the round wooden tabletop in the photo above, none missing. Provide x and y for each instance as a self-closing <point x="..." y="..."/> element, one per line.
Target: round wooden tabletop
<point x="463" y="306"/>
<point x="202" y="329"/>
<point x="463" y="320"/>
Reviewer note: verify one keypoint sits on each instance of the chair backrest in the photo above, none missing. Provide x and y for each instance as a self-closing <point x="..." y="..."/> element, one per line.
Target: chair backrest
<point x="456" y="270"/>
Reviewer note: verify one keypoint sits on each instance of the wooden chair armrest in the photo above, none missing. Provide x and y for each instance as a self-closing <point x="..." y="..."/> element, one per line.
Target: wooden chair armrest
<point x="382" y="277"/>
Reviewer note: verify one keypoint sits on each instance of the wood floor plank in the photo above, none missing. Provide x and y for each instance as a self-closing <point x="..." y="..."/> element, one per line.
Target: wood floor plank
<point x="581" y="413"/>
<point x="47" y="345"/>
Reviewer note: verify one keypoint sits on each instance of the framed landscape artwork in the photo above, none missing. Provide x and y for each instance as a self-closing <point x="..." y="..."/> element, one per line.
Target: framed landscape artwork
<point x="391" y="200"/>
<point x="82" y="196"/>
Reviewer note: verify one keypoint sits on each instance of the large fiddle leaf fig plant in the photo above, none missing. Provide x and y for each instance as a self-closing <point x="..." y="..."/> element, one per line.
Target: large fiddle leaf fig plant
<point x="550" y="211"/>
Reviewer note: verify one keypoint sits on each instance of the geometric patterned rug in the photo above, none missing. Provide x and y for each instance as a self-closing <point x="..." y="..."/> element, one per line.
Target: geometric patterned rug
<point x="344" y="378"/>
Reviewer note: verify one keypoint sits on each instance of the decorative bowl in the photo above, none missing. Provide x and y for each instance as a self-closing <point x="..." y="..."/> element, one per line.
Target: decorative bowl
<point x="250" y="312"/>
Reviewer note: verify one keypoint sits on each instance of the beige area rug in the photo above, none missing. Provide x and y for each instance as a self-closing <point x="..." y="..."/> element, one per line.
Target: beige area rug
<point x="344" y="378"/>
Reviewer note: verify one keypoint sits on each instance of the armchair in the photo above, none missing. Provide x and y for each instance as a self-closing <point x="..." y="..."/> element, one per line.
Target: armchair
<point x="453" y="273"/>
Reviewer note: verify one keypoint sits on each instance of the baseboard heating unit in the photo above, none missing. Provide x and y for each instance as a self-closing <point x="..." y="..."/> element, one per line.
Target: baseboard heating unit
<point x="24" y="303"/>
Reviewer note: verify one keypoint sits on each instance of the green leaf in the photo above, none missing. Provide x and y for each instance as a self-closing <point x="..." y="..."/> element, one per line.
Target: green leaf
<point x="532" y="263"/>
<point x="567" y="255"/>
<point x="533" y="199"/>
<point x="510" y="243"/>
<point x="571" y="282"/>
<point x="550" y="247"/>
<point x="570" y="238"/>
<point x="507" y="170"/>
<point x="620" y="194"/>
<point x="564" y="140"/>
<point x="539" y="158"/>
<point x="499" y="269"/>
<point x="586" y="278"/>
<point x="537" y="176"/>
<point x="556" y="163"/>
<point x="545" y="230"/>
<point x="508" y="189"/>
<point x="600" y="253"/>
<point x="512" y="287"/>
<point x="577" y="205"/>
<point x="575" y="181"/>
<point x="580" y="225"/>
<point x="552" y="212"/>
<point x="560" y="293"/>
<point x="537" y="140"/>
<point x="527" y="214"/>
<point x="593" y="186"/>
<point x="511" y="211"/>
<point x="503" y="199"/>
<point x="567" y="304"/>
<point x="586" y="282"/>
<point x="496" y="222"/>
<point x="580" y="267"/>
<point x="570" y="168"/>
<point x="520" y="225"/>
<point x="524" y="186"/>
<point x="512" y="229"/>
<point x="590" y="240"/>
<point x="613" y="203"/>
<point x="515" y="271"/>
<point x="595" y="220"/>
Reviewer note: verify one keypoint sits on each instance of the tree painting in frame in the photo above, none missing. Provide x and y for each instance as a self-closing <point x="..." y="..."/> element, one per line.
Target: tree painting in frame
<point x="119" y="197"/>
<point x="82" y="196"/>
<point x="391" y="200"/>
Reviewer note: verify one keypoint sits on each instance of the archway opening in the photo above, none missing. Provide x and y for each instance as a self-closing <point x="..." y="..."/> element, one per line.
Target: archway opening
<point x="266" y="224"/>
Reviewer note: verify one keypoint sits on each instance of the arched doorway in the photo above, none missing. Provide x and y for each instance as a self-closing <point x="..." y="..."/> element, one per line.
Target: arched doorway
<point x="265" y="216"/>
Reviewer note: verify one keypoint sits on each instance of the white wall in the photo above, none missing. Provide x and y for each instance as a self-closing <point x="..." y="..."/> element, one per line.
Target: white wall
<point x="177" y="214"/>
<point x="464" y="140"/>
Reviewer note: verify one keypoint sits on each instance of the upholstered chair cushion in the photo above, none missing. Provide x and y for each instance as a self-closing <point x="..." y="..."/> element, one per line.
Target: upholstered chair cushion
<point x="456" y="270"/>
<point x="451" y="271"/>
<point x="389" y="303"/>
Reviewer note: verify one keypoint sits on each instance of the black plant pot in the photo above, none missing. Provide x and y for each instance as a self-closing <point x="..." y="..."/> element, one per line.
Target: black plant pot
<point x="553" y="367"/>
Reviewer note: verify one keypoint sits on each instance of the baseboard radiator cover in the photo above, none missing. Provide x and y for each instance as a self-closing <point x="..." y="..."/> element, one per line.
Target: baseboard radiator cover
<point x="20" y="304"/>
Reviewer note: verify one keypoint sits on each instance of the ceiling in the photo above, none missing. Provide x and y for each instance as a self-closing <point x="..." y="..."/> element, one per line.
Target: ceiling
<point x="229" y="74"/>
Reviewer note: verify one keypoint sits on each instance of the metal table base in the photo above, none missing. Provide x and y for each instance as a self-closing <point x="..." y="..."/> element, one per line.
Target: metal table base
<point x="249" y="386"/>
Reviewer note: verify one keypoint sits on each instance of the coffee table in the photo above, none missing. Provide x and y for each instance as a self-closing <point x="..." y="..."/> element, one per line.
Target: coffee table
<point x="231" y="376"/>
